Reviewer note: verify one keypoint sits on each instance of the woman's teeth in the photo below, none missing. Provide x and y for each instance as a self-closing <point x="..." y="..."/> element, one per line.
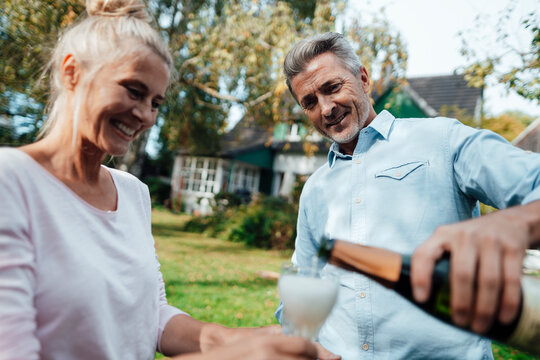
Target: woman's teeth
<point x="126" y="130"/>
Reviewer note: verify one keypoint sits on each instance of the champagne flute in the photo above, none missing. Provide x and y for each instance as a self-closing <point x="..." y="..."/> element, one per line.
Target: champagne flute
<point x="307" y="299"/>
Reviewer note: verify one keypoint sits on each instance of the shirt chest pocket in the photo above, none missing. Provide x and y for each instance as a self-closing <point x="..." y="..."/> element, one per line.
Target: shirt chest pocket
<point x="401" y="172"/>
<point x="401" y="195"/>
<point x="404" y="190"/>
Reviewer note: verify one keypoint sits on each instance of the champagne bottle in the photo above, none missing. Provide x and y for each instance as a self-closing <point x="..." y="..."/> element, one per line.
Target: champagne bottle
<point x="393" y="270"/>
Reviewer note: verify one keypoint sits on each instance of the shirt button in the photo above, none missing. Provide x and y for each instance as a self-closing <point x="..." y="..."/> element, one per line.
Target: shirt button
<point x="365" y="347"/>
<point x="362" y="294"/>
<point x="358" y="161"/>
<point x="358" y="200"/>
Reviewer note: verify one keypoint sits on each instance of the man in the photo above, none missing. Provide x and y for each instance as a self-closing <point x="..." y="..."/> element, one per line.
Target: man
<point x="394" y="183"/>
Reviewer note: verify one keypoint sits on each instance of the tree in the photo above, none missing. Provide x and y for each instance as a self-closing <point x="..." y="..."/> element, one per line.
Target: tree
<point x="28" y="32"/>
<point x="505" y="124"/>
<point x="492" y="62"/>
<point x="227" y="52"/>
<point x="260" y="34"/>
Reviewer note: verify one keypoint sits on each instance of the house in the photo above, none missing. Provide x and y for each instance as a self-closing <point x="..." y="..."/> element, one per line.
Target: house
<point x="254" y="160"/>
<point x="529" y="139"/>
<point x="430" y="96"/>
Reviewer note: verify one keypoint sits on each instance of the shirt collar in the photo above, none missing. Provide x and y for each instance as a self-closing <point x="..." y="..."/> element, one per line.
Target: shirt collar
<point x="382" y="123"/>
<point x="334" y="153"/>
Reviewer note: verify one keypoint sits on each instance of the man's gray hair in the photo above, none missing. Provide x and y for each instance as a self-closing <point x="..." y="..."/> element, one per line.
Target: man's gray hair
<point x="306" y="50"/>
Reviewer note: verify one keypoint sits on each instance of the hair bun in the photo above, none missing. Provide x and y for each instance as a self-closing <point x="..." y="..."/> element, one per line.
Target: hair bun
<point x="134" y="8"/>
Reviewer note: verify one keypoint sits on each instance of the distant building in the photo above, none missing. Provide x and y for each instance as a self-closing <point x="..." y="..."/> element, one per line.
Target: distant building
<point x="427" y="96"/>
<point x="254" y="160"/>
<point x="529" y="139"/>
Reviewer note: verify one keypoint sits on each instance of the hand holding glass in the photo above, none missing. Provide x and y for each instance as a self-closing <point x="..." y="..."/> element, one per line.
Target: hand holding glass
<point x="307" y="299"/>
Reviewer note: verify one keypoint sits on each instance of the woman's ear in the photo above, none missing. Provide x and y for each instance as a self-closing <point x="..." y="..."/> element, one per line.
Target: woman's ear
<point x="70" y="72"/>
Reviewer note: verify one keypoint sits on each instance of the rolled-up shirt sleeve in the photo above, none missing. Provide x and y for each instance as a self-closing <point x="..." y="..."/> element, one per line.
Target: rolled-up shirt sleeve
<point x="490" y="169"/>
<point x="17" y="277"/>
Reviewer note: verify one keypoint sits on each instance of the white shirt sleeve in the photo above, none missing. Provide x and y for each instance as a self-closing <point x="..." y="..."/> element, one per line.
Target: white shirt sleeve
<point x="166" y="311"/>
<point x="17" y="275"/>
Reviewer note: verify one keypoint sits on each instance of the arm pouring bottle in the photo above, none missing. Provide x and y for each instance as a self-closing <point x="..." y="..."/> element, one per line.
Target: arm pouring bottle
<point x="392" y="270"/>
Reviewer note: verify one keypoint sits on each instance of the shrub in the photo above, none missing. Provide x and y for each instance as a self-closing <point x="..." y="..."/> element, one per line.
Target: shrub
<point x="218" y="224"/>
<point x="226" y="200"/>
<point x="160" y="190"/>
<point x="266" y="222"/>
<point x="214" y="225"/>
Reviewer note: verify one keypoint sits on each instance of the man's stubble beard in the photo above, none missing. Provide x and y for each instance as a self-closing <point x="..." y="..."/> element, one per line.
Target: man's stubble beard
<point x="364" y="105"/>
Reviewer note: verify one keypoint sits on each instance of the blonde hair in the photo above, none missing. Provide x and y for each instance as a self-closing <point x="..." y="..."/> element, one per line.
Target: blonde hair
<point x="97" y="39"/>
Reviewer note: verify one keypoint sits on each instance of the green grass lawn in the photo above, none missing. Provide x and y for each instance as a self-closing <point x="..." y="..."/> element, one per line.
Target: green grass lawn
<point x="216" y="280"/>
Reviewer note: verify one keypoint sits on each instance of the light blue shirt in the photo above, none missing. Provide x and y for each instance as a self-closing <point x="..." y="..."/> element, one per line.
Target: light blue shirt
<point x="405" y="178"/>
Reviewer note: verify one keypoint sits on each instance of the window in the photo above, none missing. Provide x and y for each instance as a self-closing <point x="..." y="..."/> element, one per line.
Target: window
<point x="199" y="174"/>
<point x="245" y="178"/>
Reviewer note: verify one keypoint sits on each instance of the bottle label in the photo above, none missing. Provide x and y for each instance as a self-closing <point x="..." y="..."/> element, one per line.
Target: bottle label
<point x="527" y="333"/>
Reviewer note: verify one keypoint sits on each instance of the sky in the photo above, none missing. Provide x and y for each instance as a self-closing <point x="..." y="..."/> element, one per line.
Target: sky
<point x="430" y="29"/>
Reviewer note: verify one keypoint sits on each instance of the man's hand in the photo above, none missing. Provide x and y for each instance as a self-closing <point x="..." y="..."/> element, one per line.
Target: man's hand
<point x="485" y="264"/>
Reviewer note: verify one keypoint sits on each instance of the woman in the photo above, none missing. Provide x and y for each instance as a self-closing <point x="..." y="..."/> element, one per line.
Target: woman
<point x="78" y="274"/>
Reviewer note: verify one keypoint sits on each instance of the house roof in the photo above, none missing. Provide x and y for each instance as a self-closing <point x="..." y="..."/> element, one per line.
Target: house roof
<point x="449" y="90"/>
<point x="247" y="135"/>
<point x="529" y="139"/>
<point x="430" y="93"/>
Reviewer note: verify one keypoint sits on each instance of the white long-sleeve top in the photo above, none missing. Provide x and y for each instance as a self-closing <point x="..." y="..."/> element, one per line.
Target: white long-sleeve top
<point x="76" y="282"/>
